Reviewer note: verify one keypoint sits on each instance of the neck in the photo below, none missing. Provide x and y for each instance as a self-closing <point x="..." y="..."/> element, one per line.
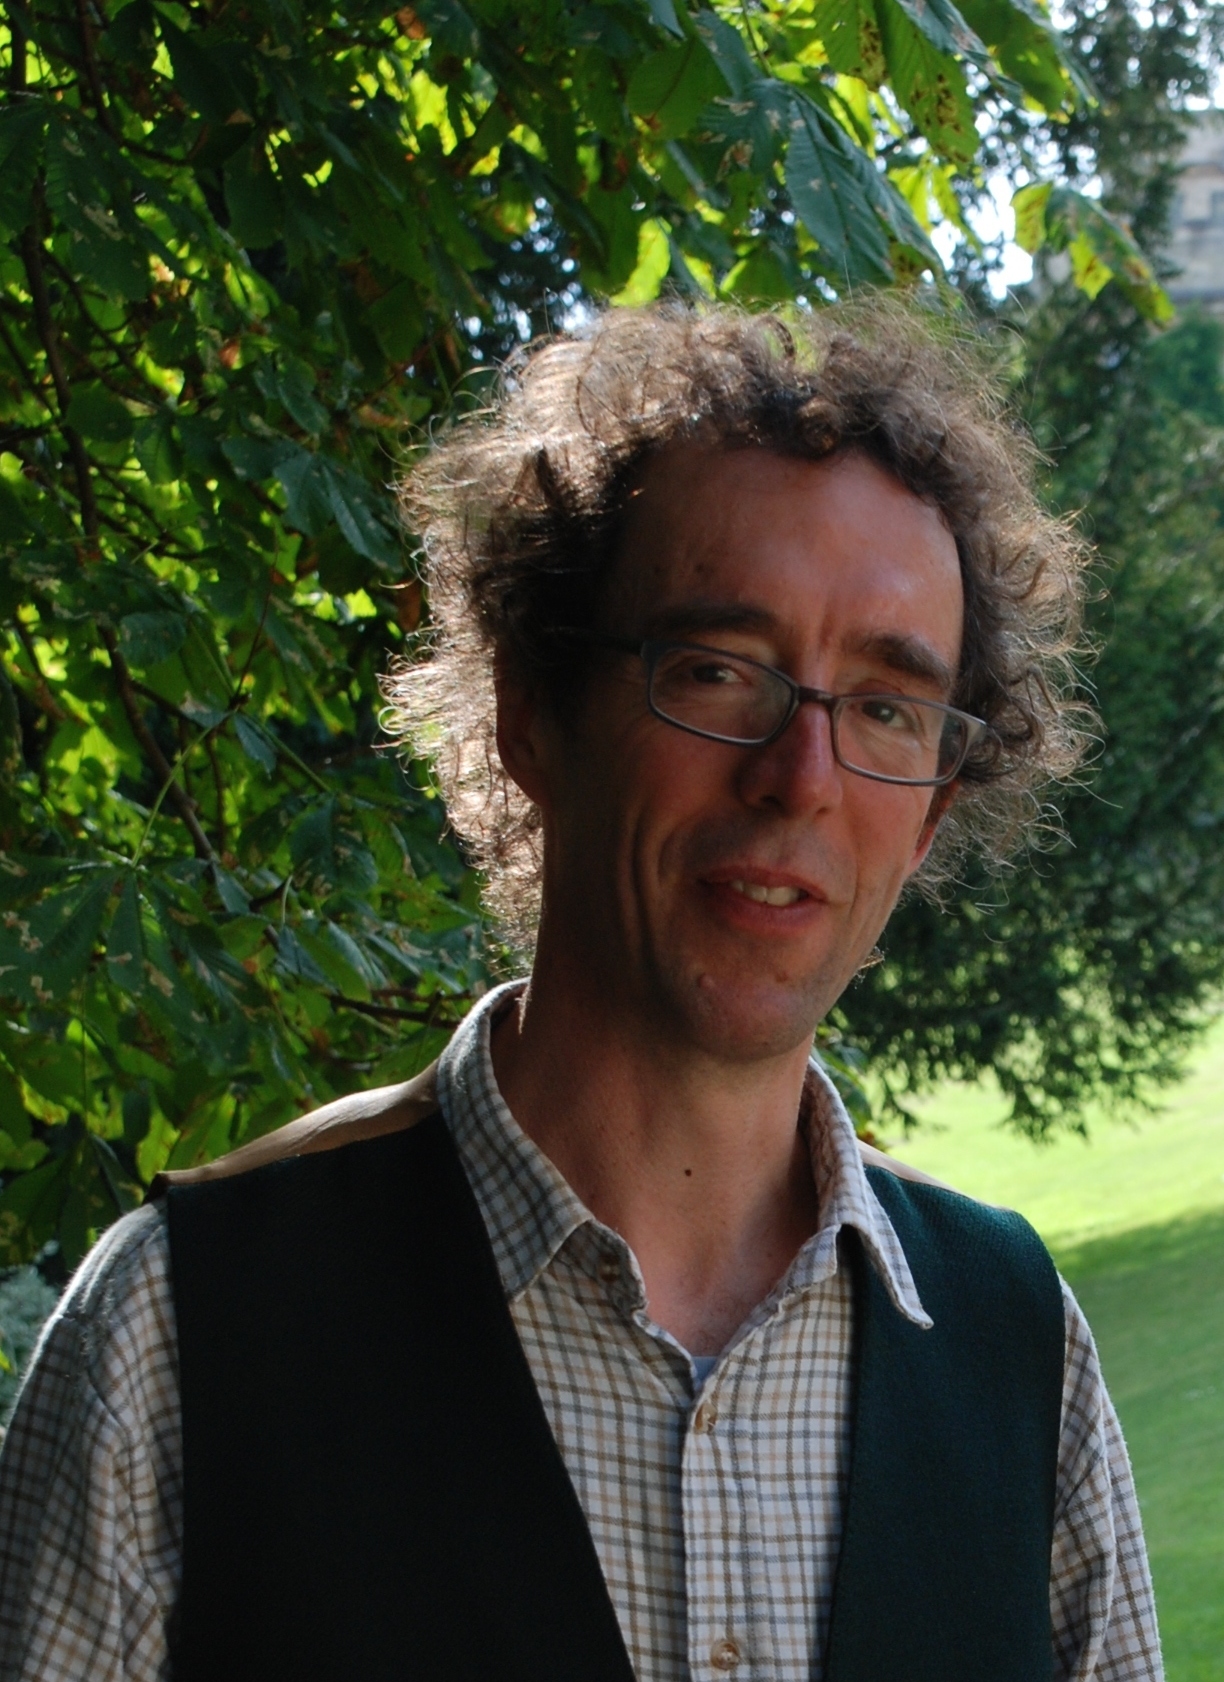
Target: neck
<point x="696" y="1162"/>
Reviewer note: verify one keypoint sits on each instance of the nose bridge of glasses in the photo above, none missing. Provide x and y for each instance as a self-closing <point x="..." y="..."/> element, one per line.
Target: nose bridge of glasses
<point x="800" y="696"/>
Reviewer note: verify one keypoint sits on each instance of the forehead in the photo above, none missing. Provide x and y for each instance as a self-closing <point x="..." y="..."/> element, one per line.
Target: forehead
<point x="828" y="549"/>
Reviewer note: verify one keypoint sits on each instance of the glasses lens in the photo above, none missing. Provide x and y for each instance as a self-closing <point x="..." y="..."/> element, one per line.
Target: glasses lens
<point x="717" y="694"/>
<point x="891" y="736"/>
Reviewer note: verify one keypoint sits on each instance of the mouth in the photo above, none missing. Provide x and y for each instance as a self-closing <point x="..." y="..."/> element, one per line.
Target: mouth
<point x="758" y="885"/>
<point x="761" y="894"/>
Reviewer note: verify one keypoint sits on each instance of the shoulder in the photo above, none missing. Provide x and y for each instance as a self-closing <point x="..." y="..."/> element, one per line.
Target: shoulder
<point x="127" y="1266"/>
<point x="873" y="1158"/>
<point x="977" y="1265"/>
<point x="111" y="1341"/>
<point x="345" y="1121"/>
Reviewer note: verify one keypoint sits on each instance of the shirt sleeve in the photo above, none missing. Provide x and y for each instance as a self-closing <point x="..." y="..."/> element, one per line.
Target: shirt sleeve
<point x="90" y="1476"/>
<point x="1101" y="1602"/>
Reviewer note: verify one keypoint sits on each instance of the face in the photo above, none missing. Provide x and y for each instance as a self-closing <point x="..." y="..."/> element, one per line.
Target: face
<point x="724" y="896"/>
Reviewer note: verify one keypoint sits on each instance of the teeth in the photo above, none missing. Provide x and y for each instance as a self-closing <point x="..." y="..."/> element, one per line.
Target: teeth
<point x="767" y="896"/>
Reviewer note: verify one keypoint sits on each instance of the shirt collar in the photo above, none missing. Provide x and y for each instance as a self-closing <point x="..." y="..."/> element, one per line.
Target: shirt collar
<point x="530" y="1210"/>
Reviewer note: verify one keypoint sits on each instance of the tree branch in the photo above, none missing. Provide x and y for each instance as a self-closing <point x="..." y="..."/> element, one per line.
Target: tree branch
<point x="32" y="257"/>
<point x="42" y="689"/>
<point x="91" y="67"/>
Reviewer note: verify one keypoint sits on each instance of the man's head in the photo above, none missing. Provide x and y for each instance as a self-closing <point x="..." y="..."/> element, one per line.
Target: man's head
<point x="839" y="502"/>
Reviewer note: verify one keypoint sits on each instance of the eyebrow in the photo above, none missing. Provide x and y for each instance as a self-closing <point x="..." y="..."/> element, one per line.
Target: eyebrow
<point x="695" y="618"/>
<point x="905" y="655"/>
<point x="908" y="656"/>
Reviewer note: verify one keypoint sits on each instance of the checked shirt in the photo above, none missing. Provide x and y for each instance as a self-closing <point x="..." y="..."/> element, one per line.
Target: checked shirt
<point x="715" y="1505"/>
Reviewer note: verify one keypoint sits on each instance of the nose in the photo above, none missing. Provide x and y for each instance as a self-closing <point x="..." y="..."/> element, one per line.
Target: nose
<point x="797" y="775"/>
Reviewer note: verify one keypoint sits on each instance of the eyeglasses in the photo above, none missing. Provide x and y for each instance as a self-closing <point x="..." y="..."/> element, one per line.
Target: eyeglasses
<point x="728" y="698"/>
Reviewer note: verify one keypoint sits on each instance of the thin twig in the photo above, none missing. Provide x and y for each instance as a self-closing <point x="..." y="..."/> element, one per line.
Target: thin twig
<point x="120" y="350"/>
<point x="389" y="1013"/>
<point x="38" y="392"/>
<point x="210" y="743"/>
<point x="149" y="747"/>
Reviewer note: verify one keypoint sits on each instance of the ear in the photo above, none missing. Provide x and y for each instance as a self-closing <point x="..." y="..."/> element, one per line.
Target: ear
<point x="521" y="732"/>
<point x="941" y="803"/>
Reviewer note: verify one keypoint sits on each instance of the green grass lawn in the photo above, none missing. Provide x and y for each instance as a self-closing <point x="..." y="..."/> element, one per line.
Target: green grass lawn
<point x="1135" y="1218"/>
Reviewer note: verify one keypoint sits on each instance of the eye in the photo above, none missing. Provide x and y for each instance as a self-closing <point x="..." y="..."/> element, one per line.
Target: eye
<point x="712" y="672"/>
<point x="887" y="714"/>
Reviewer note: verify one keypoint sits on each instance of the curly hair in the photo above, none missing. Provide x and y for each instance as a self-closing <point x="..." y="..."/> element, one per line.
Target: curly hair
<point x="519" y="512"/>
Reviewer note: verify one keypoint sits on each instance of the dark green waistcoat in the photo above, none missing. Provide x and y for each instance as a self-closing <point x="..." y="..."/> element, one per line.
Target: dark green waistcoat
<point x="372" y="1492"/>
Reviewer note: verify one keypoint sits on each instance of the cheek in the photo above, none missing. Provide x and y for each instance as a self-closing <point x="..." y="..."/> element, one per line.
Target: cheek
<point x="890" y="824"/>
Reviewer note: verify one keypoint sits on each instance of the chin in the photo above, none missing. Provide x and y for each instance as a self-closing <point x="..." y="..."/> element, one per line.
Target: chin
<point x="737" y="1019"/>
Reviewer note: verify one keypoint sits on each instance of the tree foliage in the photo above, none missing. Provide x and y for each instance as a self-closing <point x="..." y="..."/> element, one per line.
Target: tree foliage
<point x="248" y="246"/>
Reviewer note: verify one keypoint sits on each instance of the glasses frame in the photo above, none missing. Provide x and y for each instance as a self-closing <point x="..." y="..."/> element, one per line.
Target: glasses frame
<point x="651" y="650"/>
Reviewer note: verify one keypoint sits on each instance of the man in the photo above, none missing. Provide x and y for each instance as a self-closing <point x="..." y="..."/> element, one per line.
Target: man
<point x="602" y="1349"/>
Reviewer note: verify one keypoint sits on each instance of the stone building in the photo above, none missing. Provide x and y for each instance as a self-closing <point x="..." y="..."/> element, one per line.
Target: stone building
<point x="1197" y="243"/>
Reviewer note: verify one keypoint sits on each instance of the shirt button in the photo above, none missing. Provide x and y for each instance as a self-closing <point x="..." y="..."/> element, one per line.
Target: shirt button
<point x="609" y="1269"/>
<point x="725" y="1654"/>
<point x="704" y="1421"/>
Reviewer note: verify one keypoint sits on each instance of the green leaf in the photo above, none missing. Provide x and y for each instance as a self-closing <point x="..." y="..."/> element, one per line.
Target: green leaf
<point x="398" y="321"/>
<point x="358" y="516"/>
<point x="293" y="385"/>
<point x="13" y="1118"/>
<point x="22" y="130"/>
<point x="126" y="950"/>
<point x="157" y="449"/>
<point x="828" y="200"/>
<point x="1028" y="49"/>
<point x="211" y="683"/>
<point x="654" y="260"/>
<point x="726" y="47"/>
<point x="200" y="76"/>
<point x="256" y="742"/>
<point x="98" y="414"/>
<point x="664" y="14"/>
<point x="671" y="88"/>
<point x="305" y="480"/>
<point x="145" y="639"/>
<point x="84" y="194"/>
<point x="46" y="954"/>
<point x="322" y="845"/>
<point x="257" y="458"/>
<point x="253" y="198"/>
<point x="293" y="958"/>
<point x="333" y="963"/>
<point x="30" y="1209"/>
<point x="850" y="33"/>
<point x="928" y="81"/>
<point x="452" y="27"/>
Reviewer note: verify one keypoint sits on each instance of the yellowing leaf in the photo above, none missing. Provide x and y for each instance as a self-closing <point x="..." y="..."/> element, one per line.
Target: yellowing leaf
<point x="1089" y="269"/>
<point x="1029" y="206"/>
